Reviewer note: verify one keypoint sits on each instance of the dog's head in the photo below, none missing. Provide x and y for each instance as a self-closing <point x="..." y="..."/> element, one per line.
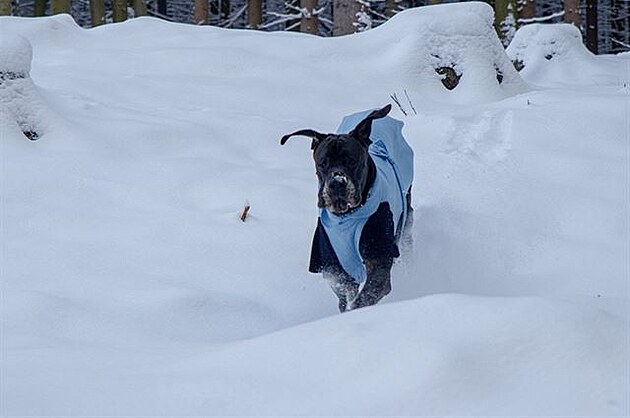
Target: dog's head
<point x="344" y="168"/>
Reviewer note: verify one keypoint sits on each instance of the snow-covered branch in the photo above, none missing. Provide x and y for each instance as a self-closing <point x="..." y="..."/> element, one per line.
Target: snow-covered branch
<point x="284" y="15"/>
<point x="289" y="18"/>
<point x="620" y="43"/>
<point x="234" y="18"/>
<point x="542" y="18"/>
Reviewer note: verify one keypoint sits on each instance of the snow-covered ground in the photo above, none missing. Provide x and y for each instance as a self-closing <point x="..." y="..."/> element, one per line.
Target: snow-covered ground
<point x="130" y="287"/>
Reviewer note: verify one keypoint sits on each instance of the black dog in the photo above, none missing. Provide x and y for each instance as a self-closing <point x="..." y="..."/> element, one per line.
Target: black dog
<point x="365" y="173"/>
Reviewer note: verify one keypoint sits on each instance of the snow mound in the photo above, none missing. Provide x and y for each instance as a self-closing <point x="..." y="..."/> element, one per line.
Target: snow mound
<point x="48" y="30"/>
<point x="453" y="53"/>
<point x="16" y="54"/>
<point x="413" y="52"/>
<point x="20" y="104"/>
<point x="559" y="41"/>
<point x="554" y="53"/>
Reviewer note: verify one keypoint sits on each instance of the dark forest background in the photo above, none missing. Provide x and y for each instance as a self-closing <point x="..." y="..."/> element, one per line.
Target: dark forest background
<point x="605" y="24"/>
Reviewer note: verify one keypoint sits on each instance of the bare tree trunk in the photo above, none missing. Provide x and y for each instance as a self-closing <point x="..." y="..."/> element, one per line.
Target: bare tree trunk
<point x="201" y="12"/>
<point x="345" y="16"/>
<point x="119" y="10"/>
<point x="528" y="9"/>
<point x="5" y="8"/>
<point x="572" y="12"/>
<point x="591" y="26"/>
<point x="309" y="23"/>
<point x="39" y="8"/>
<point x="391" y="6"/>
<point x="60" y="6"/>
<point x="139" y="7"/>
<point x="97" y="12"/>
<point x="161" y="7"/>
<point x="221" y="8"/>
<point x="254" y="13"/>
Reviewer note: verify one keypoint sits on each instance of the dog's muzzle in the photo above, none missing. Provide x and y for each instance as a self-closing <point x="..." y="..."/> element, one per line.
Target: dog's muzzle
<point x="339" y="194"/>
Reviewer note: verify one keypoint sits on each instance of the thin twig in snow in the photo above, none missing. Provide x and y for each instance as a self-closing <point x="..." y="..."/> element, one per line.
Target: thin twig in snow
<point x="410" y="104"/>
<point x="245" y="211"/>
<point x="395" y="99"/>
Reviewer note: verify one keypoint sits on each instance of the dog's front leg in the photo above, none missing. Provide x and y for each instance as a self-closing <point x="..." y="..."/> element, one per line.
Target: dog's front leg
<point x="378" y="283"/>
<point x="344" y="287"/>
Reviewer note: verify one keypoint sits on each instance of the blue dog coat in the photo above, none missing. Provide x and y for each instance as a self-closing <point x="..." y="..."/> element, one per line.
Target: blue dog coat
<point x="343" y="242"/>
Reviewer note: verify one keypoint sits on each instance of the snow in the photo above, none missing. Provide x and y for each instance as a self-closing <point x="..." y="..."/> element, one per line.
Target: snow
<point x="130" y="286"/>
<point x="20" y="104"/>
<point x="15" y="54"/>
<point x="555" y="54"/>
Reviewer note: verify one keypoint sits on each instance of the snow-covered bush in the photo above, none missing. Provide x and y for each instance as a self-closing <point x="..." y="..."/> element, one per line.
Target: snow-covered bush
<point x="453" y="52"/>
<point x="555" y="53"/>
<point x="535" y="42"/>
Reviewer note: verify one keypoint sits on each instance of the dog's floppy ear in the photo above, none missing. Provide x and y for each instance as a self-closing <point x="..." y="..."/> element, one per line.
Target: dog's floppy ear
<point x="316" y="136"/>
<point x="364" y="128"/>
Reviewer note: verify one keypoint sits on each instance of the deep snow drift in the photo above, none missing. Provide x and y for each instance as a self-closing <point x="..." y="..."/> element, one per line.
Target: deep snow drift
<point x="130" y="287"/>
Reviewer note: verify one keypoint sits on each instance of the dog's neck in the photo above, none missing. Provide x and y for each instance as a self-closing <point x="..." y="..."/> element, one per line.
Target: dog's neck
<point x="370" y="180"/>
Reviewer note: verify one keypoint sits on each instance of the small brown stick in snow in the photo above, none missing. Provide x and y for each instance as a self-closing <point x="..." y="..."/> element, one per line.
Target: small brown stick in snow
<point x="245" y="211"/>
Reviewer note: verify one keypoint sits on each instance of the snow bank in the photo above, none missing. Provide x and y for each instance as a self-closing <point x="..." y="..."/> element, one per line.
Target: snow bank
<point x="554" y="53"/>
<point x="443" y="355"/>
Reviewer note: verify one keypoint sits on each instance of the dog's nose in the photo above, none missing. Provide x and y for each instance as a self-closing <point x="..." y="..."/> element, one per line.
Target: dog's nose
<point x="339" y="177"/>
